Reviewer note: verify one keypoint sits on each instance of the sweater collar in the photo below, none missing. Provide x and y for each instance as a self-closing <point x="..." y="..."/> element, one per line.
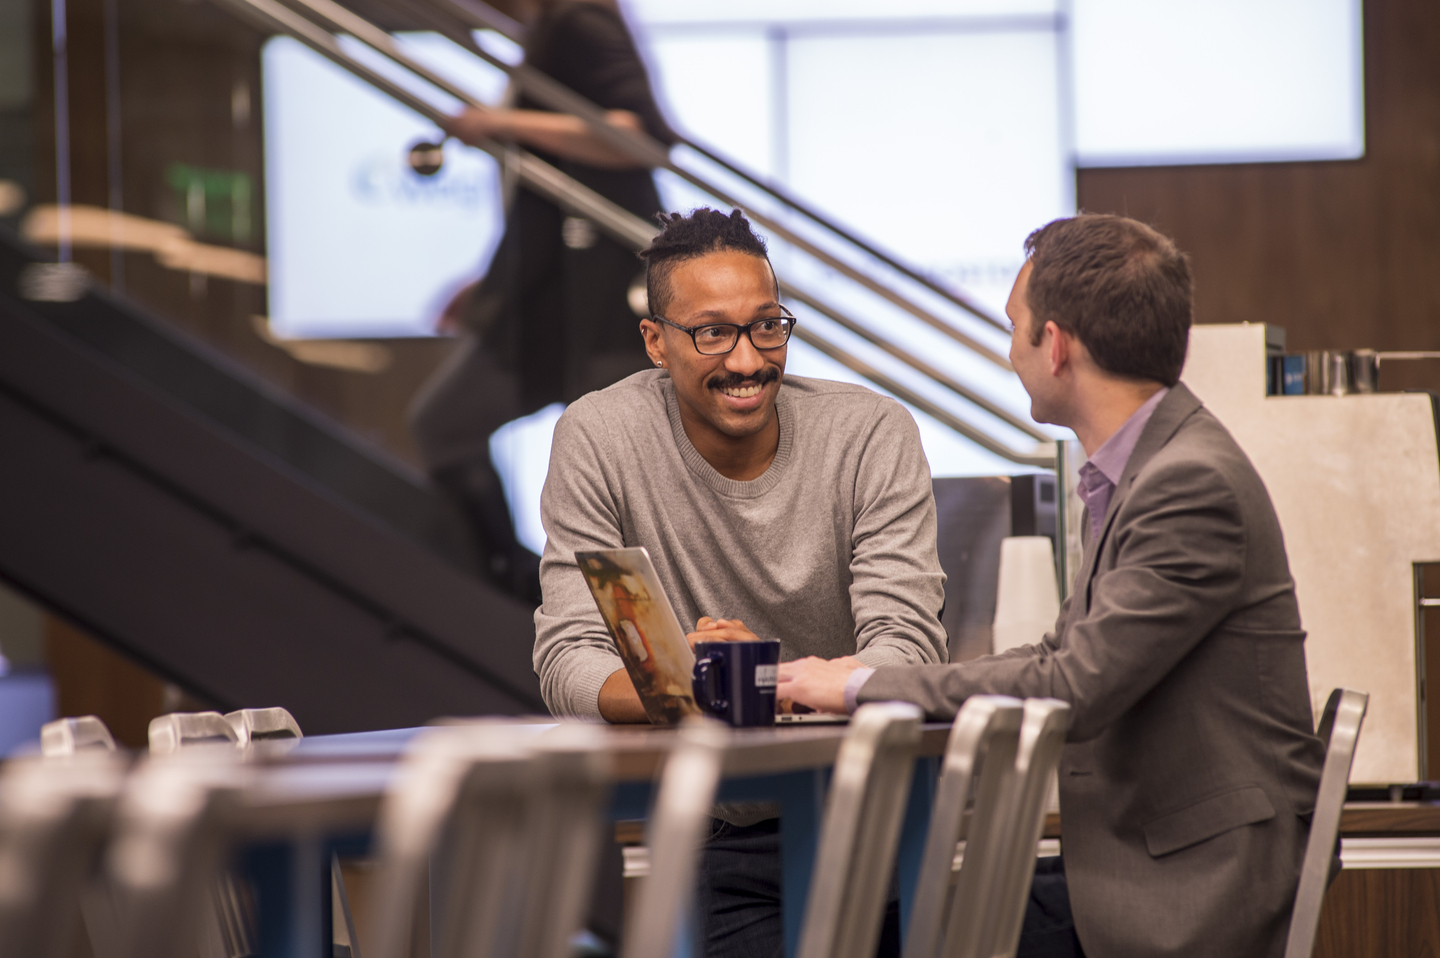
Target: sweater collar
<point x="706" y="473"/>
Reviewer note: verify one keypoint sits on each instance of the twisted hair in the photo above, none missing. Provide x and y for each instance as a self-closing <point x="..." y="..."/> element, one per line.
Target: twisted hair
<point x="688" y="237"/>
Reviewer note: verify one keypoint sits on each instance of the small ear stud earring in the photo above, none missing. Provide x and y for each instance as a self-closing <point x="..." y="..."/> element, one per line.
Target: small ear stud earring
<point x="659" y="363"/>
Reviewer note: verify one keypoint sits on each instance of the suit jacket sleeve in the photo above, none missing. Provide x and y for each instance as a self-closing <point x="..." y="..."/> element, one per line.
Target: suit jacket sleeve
<point x="1179" y="562"/>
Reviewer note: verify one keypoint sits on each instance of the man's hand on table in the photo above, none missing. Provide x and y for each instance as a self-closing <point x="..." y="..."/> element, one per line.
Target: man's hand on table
<point x="620" y="703"/>
<point x="720" y="630"/>
<point x="817" y="683"/>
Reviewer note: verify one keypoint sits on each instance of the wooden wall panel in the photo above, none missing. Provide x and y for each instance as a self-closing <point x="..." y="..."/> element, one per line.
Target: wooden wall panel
<point x="1381" y="913"/>
<point x="93" y="679"/>
<point x="1341" y="254"/>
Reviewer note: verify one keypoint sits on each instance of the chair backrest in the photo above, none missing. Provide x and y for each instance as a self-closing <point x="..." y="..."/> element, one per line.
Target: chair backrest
<point x="563" y="831"/>
<point x="467" y="785"/>
<point x="227" y="927"/>
<point x="508" y="824"/>
<point x="59" y="741"/>
<point x="675" y="832"/>
<point x="860" y="831"/>
<point x="183" y="729"/>
<point x="173" y="835"/>
<point x="54" y="820"/>
<point x="1339" y="729"/>
<point x="979" y="757"/>
<point x="258" y="725"/>
<point x="66" y="736"/>
<point x="1042" y="737"/>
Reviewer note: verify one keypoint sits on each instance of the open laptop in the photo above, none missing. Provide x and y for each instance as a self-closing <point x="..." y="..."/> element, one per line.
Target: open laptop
<point x="648" y="634"/>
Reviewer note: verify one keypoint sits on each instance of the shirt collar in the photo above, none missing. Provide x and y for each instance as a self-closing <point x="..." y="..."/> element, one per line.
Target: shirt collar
<point x="1111" y="457"/>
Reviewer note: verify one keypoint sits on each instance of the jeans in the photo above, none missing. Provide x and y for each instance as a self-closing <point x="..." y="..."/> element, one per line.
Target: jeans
<point x="738" y="901"/>
<point x="1049" y="928"/>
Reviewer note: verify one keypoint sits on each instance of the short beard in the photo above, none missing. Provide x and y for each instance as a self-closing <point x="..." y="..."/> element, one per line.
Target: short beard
<point x="764" y="377"/>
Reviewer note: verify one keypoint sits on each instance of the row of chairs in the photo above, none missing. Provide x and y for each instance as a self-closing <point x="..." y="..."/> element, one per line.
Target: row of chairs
<point x="506" y="830"/>
<point x="487" y="836"/>
<point x="128" y="854"/>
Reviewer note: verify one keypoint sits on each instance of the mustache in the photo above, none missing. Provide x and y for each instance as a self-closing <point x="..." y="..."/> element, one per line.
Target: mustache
<point x="764" y="377"/>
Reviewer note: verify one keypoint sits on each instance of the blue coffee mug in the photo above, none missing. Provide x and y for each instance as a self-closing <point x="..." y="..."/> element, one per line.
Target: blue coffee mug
<point x="735" y="681"/>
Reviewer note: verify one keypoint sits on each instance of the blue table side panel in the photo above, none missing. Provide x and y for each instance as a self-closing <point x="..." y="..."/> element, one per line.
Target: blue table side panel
<point x="288" y="913"/>
<point x="912" y="835"/>
<point x="801" y="796"/>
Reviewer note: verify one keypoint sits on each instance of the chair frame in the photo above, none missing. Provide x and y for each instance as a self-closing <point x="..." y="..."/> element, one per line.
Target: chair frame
<point x="979" y="756"/>
<point x="1339" y="730"/>
<point x="1042" y="738"/>
<point x="860" y="832"/>
<point x="676" y="830"/>
<point x="54" y="820"/>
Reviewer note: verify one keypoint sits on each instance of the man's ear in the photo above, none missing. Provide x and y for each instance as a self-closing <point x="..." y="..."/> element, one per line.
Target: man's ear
<point x="1061" y="347"/>
<point x="654" y="342"/>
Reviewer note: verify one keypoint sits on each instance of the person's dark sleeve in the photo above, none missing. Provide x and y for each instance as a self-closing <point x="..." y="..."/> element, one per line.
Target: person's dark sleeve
<point x="1179" y="571"/>
<point x="594" y="55"/>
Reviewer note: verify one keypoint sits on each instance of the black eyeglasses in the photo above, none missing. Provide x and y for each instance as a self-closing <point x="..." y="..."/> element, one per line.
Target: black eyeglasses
<point x="717" y="339"/>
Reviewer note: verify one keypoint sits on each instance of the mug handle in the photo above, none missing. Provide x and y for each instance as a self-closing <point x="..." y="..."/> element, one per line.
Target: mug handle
<point x="705" y="684"/>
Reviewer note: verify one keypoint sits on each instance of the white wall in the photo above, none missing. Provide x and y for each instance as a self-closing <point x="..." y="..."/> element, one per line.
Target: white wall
<point x="1356" y="485"/>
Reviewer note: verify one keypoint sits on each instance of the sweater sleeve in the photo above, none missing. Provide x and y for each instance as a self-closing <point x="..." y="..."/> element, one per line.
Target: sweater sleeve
<point x="897" y="588"/>
<point x="574" y="653"/>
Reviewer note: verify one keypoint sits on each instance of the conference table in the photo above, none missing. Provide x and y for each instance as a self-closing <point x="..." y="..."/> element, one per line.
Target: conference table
<point x="320" y="797"/>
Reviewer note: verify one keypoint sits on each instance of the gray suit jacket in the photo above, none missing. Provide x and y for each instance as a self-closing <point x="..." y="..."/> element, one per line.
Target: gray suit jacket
<point x="1192" y="766"/>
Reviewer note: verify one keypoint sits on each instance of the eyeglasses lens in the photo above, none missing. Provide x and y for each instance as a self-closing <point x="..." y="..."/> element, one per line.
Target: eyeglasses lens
<point x="765" y="334"/>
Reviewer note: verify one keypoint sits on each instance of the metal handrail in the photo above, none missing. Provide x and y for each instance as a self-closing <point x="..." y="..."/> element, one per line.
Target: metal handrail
<point x="893" y="386"/>
<point x="487" y="17"/>
<point x="649" y="151"/>
<point x="579" y="200"/>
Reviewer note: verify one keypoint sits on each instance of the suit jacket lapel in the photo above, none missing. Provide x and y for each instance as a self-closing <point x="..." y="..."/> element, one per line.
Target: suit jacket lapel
<point x="1177" y="406"/>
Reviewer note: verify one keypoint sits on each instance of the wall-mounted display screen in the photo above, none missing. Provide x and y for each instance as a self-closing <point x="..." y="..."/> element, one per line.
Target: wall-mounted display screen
<point x="360" y="245"/>
<point x="1159" y="82"/>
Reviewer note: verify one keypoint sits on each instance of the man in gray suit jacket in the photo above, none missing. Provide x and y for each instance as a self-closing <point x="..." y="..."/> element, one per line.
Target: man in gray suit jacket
<point x="1191" y="768"/>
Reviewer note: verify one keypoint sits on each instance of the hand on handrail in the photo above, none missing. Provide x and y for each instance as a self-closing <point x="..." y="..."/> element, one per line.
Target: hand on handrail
<point x="560" y="134"/>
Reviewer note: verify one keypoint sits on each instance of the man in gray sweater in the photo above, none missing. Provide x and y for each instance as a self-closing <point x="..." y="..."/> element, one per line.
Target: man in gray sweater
<point x="792" y="509"/>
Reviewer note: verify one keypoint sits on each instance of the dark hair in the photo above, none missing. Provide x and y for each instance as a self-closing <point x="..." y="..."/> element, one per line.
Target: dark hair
<point x="1122" y="288"/>
<point x="684" y="238"/>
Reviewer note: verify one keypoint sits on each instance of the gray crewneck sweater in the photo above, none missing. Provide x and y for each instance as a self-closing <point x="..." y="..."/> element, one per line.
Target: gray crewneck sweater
<point x="831" y="550"/>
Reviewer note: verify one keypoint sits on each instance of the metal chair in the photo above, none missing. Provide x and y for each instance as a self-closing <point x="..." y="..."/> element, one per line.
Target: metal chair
<point x="980" y="754"/>
<point x="228" y="929"/>
<point x="66" y="736"/>
<point x="563" y="830"/>
<point x="180" y="729"/>
<point x="676" y="830"/>
<point x="169" y="851"/>
<point x="512" y="822"/>
<point x="1339" y="729"/>
<point x="860" y="831"/>
<point x="59" y="741"/>
<point x="451" y="781"/>
<point x="1042" y="737"/>
<point x="54" y="819"/>
<point x="259" y="725"/>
